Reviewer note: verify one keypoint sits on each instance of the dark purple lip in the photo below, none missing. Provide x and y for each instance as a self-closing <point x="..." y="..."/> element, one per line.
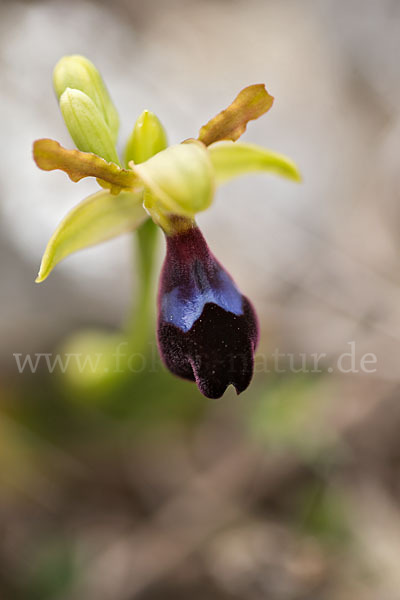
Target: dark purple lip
<point x="207" y="330"/>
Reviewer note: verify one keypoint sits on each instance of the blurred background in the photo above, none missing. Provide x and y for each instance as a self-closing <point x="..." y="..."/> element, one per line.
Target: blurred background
<point x="133" y="486"/>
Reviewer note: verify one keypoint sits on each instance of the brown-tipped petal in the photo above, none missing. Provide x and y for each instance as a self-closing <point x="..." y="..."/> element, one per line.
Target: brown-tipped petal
<point x="251" y="103"/>
<point x="50" y="155"/>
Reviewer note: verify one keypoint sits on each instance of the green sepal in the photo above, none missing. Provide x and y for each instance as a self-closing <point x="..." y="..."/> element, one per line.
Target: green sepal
<point x="96" y="219"/>
<point x="79" y="73"/>
<point x="231" y="159"/>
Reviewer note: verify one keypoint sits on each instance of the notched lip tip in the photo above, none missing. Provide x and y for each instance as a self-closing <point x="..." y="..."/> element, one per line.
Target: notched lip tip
<point x="240" y="390"/>
<point x="218" y="395"/>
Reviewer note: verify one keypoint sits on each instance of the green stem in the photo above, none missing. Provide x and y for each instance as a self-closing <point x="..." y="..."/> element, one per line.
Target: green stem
<point x="143" y="310"/>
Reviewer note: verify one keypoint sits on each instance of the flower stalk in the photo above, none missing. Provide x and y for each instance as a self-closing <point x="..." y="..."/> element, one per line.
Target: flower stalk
<point x="141" y="318"/>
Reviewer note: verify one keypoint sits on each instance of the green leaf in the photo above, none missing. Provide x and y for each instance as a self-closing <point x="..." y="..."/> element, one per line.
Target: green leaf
<point x="50" y="155"/>
<point x="87" y="126"/>
<point x="79" y="73"/>
<point x="180" y="178"/>
<point x="251" y="103"/>
<point x="96" y="219"/>
<point x="147" y="139"/>
<point x="233" y="159"/>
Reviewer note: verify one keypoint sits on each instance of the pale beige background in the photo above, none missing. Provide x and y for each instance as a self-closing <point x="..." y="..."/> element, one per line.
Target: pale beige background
<point x="320" y="259"/>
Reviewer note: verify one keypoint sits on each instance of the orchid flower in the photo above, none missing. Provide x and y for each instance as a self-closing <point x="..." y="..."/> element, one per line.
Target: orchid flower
<point x="207" y="330"/>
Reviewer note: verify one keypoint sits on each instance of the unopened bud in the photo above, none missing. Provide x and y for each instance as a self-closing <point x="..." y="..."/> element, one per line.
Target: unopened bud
<point x="86" y="125"/>
<point x="78" y="73"/>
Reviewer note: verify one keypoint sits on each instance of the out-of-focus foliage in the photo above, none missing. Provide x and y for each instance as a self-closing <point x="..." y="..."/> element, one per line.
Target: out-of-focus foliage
<point x="289" y="414"/>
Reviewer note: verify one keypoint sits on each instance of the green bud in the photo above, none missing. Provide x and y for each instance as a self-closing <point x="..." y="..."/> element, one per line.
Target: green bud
<point x="147" y="138"/>
<point x="180" y="178"/>
<point x="86" y="125"/>
<point x="78" y="73"/>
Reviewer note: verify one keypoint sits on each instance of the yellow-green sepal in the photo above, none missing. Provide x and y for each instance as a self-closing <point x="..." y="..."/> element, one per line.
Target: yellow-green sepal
<point x="231" y="159"/>
<point x="87" y="126"/>
<point x="180" y="178"/>
<point x="96" y="219"/>
<point x="79" y="73"/>
<point x="148" y="137"/>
